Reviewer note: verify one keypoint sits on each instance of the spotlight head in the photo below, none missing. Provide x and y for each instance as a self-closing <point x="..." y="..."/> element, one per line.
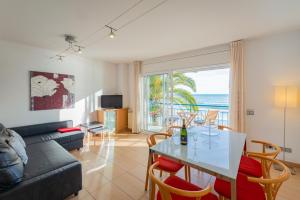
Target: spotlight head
<point x="79" y="50"/>
<point x="112" y="35"/>
<point x="60" y="58"/>
<point x="112" y="32"/>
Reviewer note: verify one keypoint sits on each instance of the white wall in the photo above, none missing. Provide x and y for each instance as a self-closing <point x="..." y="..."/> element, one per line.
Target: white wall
<point x="16" y="60"/>
<point x="123" y="82"/>
<point x="272" y="60"/>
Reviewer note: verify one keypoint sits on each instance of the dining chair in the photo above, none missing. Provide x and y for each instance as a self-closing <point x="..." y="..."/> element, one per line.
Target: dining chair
<point x="223" y="127"/>
<point x="210" y="118"/>
<point x="253" y="188"/>
<point x="175" y="188"/>
<point x="253" y="167"/>
<point x="171" y="129"/>
<point x="164" y="163"/>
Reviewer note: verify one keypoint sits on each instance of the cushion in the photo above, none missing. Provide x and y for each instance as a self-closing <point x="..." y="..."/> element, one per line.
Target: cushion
<point x="66" y="130"/>
<point x="250" y="166"/>
<point x="168" y="164"/>
<point x="246" y="190"/>
<point x="11" y="166"/>
<point x="19" y="148"/>
<point x="17" y="136"/>
<point x="179" y="183"/>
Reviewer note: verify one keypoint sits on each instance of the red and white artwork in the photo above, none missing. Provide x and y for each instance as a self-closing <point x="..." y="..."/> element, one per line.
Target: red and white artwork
<point x="51" y="91"/>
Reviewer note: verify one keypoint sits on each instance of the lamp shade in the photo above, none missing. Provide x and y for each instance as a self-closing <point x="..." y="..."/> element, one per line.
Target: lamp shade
<point x="286" y="96"/>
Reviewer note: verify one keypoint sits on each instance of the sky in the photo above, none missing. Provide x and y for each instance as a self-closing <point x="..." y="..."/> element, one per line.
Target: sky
<point x="211" y="81"/>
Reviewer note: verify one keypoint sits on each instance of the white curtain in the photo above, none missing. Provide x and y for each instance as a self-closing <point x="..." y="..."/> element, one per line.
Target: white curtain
<point x="237" y="107"/>
<point x="136" y="110"/>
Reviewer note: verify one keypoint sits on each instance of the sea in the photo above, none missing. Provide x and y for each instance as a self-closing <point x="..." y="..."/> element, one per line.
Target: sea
<point x="212" y="99"/>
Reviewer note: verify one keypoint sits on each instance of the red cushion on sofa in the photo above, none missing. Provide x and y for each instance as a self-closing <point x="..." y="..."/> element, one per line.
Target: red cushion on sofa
<point x="65" y="130"/>
<point x="250" y="167"/>
<point x="179" y="183"/>
<point x="246" y="190"/>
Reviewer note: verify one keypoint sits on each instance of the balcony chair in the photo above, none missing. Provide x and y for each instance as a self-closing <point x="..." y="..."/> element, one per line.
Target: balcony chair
<point x="210" y="118"/>
<point x="164" y="163"/>
<point x="250" y="188"/>
<point x="188" y="116"/>
<point x="175" y="188"/>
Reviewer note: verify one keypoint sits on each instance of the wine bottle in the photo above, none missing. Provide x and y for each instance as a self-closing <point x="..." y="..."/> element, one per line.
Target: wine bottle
<point x="183" y="134"/>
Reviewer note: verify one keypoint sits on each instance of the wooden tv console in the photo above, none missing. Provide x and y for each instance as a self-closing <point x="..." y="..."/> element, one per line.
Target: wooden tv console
<point x="120" y="118"/>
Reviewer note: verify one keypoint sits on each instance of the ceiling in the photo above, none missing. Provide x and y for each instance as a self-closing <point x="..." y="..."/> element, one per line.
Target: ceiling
<point x="175" y="26"/>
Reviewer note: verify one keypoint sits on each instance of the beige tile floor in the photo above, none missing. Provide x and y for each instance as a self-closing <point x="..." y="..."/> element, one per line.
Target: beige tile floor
<point x="115" y="168"/>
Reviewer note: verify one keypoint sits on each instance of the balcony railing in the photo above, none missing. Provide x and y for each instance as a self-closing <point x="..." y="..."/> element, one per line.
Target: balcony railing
<point x="168" y="114"/>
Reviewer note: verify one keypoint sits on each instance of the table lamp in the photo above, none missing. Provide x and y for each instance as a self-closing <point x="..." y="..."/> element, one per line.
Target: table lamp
<point x="285" y="97"/>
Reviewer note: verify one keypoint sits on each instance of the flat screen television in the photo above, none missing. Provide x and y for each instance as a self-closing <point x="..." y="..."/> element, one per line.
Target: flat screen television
<point x="111" y="101"/>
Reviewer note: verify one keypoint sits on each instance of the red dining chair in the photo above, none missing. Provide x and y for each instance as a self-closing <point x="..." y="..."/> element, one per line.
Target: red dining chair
<point x="252" y="188"/>
<point x="253" y="167"/>
<point x="250" y="166"/>
<point x="164" y="163"/>
<point x="175" y="188"/>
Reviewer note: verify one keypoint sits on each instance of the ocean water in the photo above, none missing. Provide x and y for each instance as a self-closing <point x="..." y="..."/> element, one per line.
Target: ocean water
<point x="212" y="99"/>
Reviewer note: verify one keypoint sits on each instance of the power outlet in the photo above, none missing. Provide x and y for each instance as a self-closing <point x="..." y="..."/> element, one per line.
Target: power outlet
<point x="250" y="112"/>
<point x="287" y="150"/>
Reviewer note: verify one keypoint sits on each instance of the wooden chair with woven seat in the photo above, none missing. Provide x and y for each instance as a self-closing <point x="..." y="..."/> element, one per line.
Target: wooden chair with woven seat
<point x="210" y="118"/>
<point x="165" y="164"/>
<point x="175" y="188"/>
<point x="252" y="188"/>
<point x="188" y="116"/>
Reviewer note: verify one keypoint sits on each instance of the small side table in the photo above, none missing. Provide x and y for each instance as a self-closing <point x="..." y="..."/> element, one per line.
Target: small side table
<point x="97" y="132"/>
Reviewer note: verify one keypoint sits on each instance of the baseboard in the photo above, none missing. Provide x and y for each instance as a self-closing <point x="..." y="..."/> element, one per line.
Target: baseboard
<point x="291" y="164"/>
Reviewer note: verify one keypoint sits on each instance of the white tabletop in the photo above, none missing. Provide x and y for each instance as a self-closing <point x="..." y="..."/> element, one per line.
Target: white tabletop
<point x="218" y="153"/>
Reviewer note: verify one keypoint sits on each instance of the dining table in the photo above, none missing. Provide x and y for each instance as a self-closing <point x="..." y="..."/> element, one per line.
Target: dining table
<point x="216" y="152"/>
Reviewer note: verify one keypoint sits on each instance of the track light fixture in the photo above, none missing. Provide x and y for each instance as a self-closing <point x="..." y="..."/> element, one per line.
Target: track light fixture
<point x="79" y="49"/>
<point x="112" y="32"/>
<point x="60" y="57"/>
<point x="71" y="40"/>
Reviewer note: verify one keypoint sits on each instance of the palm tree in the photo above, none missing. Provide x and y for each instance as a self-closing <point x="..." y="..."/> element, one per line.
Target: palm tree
<point x="183" y="86"/>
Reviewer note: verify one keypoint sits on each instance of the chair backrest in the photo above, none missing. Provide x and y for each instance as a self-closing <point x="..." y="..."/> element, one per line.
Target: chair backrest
<point x="171" y="129"/>
<point x="151" y="141"/>
<point x="188" y="116"/>
<point x="271" y="185"/>
<point x="211" y="116"/>
<point x="272" y="154"/>
<point x="166" y="190"/>
<point x="223" y="127"/>
<point x="266" y="145"/>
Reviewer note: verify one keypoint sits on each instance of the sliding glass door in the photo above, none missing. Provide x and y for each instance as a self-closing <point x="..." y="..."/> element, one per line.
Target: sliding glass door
<point x="170" y="96"/>
<point x="156" y="101"/>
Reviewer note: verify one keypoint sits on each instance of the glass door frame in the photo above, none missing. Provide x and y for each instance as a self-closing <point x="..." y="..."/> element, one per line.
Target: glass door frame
<point x="167" y="97"/>
<point x="170" y="94"/>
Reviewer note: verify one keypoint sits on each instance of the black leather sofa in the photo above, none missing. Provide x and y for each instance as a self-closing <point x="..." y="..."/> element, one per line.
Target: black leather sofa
<point x="45" y="132"/>
<point x="51" y="173"/>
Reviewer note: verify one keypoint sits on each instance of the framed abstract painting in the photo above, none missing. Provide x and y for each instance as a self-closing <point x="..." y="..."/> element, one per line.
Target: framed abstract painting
<point x="51" y="91"/>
